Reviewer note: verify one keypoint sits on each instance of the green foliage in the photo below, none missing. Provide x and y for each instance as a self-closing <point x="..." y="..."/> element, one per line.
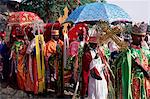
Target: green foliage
<point x="50" y="10"/>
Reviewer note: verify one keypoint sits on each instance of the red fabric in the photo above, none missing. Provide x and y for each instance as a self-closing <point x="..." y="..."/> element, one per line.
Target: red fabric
<point x="35" y="76"/>
<point x="87" y="58"/>
<point x="96" y="71"/>
<point x="23" y="18"/>
<point x="14" y="29"/>
<point x="47" y="30"/>
<point x="136" y="88"/>
<point x="18" y="30"/>
<point x="2" y="34"/>
<point x="73" y="52"/>
<point x="104" y="60"/>
<point x="92" y="40"/>
<point x="73" y="48"/>
<point x="53" y="26"/>
<point x="74" y="31"/>
<point x="147" y="84"/>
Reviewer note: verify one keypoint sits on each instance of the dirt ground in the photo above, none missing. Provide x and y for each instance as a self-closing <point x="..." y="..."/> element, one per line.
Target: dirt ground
<point x="7" y="92"/>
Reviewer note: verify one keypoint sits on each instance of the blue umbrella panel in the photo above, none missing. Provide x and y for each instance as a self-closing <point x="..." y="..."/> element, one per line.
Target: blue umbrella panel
<point x="98" y="11"/>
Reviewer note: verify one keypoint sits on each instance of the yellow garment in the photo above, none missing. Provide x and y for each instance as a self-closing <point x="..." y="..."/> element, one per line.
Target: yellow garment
<point x="39" y="40"/>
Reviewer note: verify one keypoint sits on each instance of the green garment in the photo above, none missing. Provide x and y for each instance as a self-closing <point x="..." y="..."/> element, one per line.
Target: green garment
<point x="16" y="47"/>
<point x="124" y="62"/>
<point x="106" y="52"/>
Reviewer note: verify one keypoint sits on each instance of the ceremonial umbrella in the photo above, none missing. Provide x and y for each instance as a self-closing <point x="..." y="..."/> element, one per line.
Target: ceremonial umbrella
<point x="23" y="18"/>
<point x="98" y="11"/>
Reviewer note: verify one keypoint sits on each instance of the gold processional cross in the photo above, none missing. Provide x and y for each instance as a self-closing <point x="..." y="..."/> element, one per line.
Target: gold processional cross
<point x="105" y="33"/>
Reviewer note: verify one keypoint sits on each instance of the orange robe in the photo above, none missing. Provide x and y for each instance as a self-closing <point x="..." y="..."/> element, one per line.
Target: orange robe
<point x="50" y="49"/>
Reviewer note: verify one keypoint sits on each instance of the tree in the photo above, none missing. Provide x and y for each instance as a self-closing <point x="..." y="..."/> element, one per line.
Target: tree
<point x="50" y="10"/>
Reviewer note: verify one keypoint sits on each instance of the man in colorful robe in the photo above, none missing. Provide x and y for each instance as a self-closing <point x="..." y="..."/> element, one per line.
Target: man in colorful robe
<point x="17" y="61"/>
<point x="53" y="55"/>
<point x="76" y="51"/>
<point x="133" y="67"/>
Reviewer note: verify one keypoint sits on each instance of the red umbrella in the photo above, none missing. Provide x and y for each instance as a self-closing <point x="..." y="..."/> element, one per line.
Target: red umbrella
<point x="23" y="18"/>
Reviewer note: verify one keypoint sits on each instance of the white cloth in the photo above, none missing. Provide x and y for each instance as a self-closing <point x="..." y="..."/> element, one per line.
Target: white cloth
<point x="144" y="44"/>
<point x="66" y="47"/>
<point x="28" y="51"/>
<point x="112" y="47"/>
<point x="31" y="46"/>
<point x="97" y="89"/>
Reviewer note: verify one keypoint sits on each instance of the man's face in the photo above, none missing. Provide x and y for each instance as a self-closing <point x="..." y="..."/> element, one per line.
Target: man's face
<point x="55" y="37"/>
<point x="138" y="39"/>
<point x="93" y="45"/>
<point x="80" y="36"/>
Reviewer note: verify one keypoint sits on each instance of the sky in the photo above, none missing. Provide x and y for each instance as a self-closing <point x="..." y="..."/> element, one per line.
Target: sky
<point x="11" y="0"/>
<point x="138" y="10"/>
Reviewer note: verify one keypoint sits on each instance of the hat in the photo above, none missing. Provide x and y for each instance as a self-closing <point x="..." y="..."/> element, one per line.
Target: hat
<point x="92" y="39"/>
<point x="139" y="28"/>
<point x="92" y="35"/>
<point x="54" y="32"/>
<point x="148" y="29"/>
<point x="79" y="32"/>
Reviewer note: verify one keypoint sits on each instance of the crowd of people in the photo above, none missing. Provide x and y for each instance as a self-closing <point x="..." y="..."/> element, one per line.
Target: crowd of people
<point x="32" y="61"/>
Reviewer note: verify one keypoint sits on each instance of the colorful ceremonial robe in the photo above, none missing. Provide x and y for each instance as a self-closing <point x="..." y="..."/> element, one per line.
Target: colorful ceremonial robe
<point x="50" y="51"/>
<point x="36" y="66"/>
<point x="32" y="65"/>
<point x="73" y="54"/>
<point x="17" y="64"/>
<point x="54" y="56"/>
<point x="50" y="47"/>
<point x="131" y="81"/>
<point x="76" y="52"/>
